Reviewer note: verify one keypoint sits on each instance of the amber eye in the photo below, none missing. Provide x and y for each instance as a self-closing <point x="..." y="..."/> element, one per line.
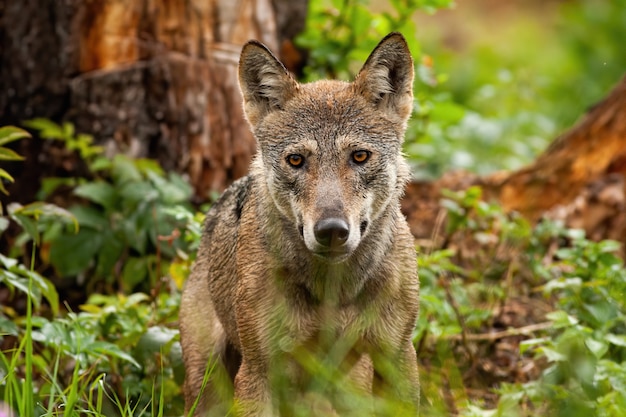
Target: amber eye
<point x="295" y="160"/>
<point x="360" y="157"/>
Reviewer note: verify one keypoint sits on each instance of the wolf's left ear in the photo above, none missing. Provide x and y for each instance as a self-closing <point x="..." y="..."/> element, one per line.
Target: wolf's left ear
<point x="386" y="79"/>
<point x="265" y="83"/>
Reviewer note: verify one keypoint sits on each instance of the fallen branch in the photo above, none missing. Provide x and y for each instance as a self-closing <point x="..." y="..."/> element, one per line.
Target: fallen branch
<point x="490" y="337"/>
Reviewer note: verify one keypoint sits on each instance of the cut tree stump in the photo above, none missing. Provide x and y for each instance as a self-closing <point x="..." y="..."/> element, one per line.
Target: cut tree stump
<point x="148" y="78"/>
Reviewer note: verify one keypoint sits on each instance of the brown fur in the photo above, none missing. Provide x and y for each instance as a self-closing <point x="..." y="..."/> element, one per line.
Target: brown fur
<point x="309" y="264"/>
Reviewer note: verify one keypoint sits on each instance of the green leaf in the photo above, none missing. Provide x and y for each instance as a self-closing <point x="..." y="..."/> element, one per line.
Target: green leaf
<point x="8" y="327"/>
<point x="48" y="290"/>
<point x="4" y="224"/>
<point x="575" y="234"/>
<point x="51" y="184"/>
<point x="136" y="192"/>
<point x="99" y="192"/>
<point x="154" y="340"/>
<point x="109" y="349"/>
<point x="90" y="217"/>
<point x="596" y="347"/>
<point x="609" y="246"/>
<point x="47" y="128"/>
<point x="135" y="271"/>
<point x="527" y="344"/>
<point x="29" y="215"/>
<point x="553" y="356"/>
<point x="26" y="222"/>
<point x="561" y="319"/>
<point x="124" y="170"/>
<point x="109" y="254"/>
<point x="11" y="133"/>
<point x="3" y="190"/>
<point x="73" y="254"/>
<point x="7" y="154"/>
<point x="616" y="339"/>
<point x="101" y="164"/>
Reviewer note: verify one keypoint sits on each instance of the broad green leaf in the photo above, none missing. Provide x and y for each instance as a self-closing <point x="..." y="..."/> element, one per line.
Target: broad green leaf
<point x="596" y="347"/>
<point x="73" y="254"/>
<point x="146" y="165"/>
<point x="575" y="234"/>
<point x="135" y="271"/>
<point x="527" y="344"/>
<point x="51" y="184"/>
<point x="7" y="154"/>
<point x="109" y="254"/>
<point x="48" y="290"/>
<point x="609" y="246"/>
<point x="28" y="216"/>
<point x="552" y="355"/>
<point x="157" y="339"/>
<point x="99" y="192"/>
<point x="7" y="262"/>
<point x="46" y="127"/>
<point x="16" y="279"/>
<point x="616" y="339"/>
<point x="8" y="327"/>
<point x="90" y="217"/>
<point x="109" y="349"/>
<point x="561" y="319"/>
<point x="135" y="299"/>
<point x="26" y="222"/>
<point x="4" y="224"/>
<point x="11" y="133"/>
<point x="3" y="189"/>
<point x="137" y="192"/>
<point x="101" y="164"/>
<point x="171" y="190"/>
<point x="39" y="209"/>
<point x="124" y="170"/>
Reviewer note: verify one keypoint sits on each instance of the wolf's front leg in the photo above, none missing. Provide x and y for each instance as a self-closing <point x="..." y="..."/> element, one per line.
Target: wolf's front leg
<point x="396" y="382"/>
<point x="252" y="392"/>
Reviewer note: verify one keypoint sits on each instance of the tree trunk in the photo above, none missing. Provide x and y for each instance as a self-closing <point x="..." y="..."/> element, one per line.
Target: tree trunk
<point x="148" y="78"/>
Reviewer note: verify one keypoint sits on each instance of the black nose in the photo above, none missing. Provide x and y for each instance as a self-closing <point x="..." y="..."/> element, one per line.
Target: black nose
<point x="331" y="232"/>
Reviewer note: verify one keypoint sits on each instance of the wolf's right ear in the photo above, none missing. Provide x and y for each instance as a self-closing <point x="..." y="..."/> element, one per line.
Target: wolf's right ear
<point x="265" y="83"/>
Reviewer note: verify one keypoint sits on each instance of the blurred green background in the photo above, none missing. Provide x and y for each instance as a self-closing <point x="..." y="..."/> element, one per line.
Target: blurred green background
<point x="497" y="80"/>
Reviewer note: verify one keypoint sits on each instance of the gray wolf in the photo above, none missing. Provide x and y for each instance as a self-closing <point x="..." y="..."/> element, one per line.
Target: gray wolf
<point x="304" y="294"/>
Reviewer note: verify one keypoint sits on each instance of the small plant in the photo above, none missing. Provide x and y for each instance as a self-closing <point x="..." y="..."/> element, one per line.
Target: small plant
<point x="117" y="350"/>
<point x="128" y="234"/>
<point x="9" y="134"/>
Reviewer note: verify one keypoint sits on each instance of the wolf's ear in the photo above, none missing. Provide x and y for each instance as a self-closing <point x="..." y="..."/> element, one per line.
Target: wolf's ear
<point x="386" y="79"/>
<point x="265" y="83"/>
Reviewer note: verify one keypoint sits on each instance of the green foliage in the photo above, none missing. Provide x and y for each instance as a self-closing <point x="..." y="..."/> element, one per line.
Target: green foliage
<point x="118" y="350"/>
<point x="520" y="81"/>
<point x="581" y="346"/>
<point x="9" y="134"/>
<point x="356" y="30"/>
<point x="127" y="233"/>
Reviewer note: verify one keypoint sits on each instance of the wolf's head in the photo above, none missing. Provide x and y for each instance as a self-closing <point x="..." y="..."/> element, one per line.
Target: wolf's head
<point x="330" y="152"/>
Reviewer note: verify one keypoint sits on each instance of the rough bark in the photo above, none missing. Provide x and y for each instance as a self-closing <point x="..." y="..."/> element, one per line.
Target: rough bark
<point x="149" y="78"/>
<point x="580" y="179"/>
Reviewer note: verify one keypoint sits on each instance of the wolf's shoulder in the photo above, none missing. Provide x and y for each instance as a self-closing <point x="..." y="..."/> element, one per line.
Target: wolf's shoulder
<point x="227" y="209"/>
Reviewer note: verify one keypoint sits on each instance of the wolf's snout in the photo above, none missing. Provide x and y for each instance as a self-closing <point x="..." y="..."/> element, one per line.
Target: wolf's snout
<point x="332" y="232"/>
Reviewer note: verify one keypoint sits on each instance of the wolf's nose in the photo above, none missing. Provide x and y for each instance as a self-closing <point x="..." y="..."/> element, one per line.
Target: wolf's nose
<point x="332" y="232"/>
